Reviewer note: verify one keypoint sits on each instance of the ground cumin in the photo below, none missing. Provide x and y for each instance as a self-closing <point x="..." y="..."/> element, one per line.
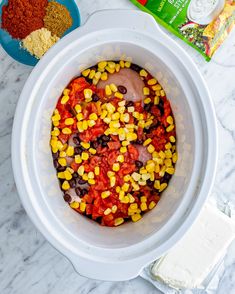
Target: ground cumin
<point x="57" y="18"/>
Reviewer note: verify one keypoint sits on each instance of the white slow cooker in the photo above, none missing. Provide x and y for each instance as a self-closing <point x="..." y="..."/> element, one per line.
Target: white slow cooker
<point x="101" y="252"/>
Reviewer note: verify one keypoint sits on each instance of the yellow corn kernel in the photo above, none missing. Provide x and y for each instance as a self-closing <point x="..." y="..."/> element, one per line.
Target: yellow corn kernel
<point x="81" y="170"/>
<point x="63" y="154"/>
<point x="143" y="73"/>
<point x="92" y="74"/>
<point x="112" y="181"/>
<point x="102" y="64"/>
<point x="116" y="166"/>
<point x="170" y="128"/>
<point x="70" y="151"/>
<point x="126" y="178"/>
<point x="78" y="159"/>
<point x="92" y="151"/>
<point x="66" y="92"/>
<point x="85" y="145"/>
<point x="97" y="75"/>
<point x="125" y="200"/>
<point x="113" y="87"/>
<point x="136" y="114"/>
<point x="147" y="100"/>
<point x="107" y="211"/>
<point x="118" y="95"/>
<point x="69" y="121"/>
<point x="162" y="154"/>
<point x="104" y="76"/>
<point x="110" y="70"/>
<point x="136" y="217"/>
<point x="64" y="99"/>
<point x="168" y="145"/>
<point x="78" y="108"/>
<point x="143" y="199"/>
<point x="162" y="92"/>
<point x="56" y="123"/>
<point x="136" y="176"/>
<point x="170" y="170"/>
<point x="90" y="175"/>
<point x="143" y="170"/>
<point x="157" y="93"/>
<point x="131" y="109"/>
<point x="79" y="116"/>
<point x="60" y="175"/>
<point x="125" y="187"/>
<point x="110" y="108"/>
<point x="55" y="132"/>
<point x="84" y="125"/>
<point x="156" y="100"/>
<point x="156" y="87"/>
<point x="121" y="195"/>
<point x="122" y="63"/>
<point x="133" y="206"/>
<point x="127" y="64"/>
<point x="121" y="109"/>
<point x="114" y="208"/>
<point x="168" y="153"/>
<point x="145" y="177"/>
<point x="85" y="177"/>
<point x="65" y="185"/>
<point x="172" y="139"/>
<point x="168" y="162"/>
<point x="131" y="136"/>
<point x="110" y="173"/>
<point x="152" y="82"/>
<point x="82" y="206"/>
<point x="97" y="170"/>
<point x="120" y="158"/>
<point x="93" y="116"/>
<point x="150" y="167"/>
<point x="91" y="123"/>
<point x="157" y="184"/>
<point x="131" y="198"/>
<point x="115" y="116"/>
<point x="123" y="149"/>
<point x="111" y="64"/>
<point x="66" y="131"/>
<point x="62" y="161"/>
<point x="56" y="117"/>
<point x="118" y="221"/>
<point x="135" y="186"/>
<point x="86" y="72"/>
<point x="174" y="157"/>
<point x="141" y="123"/>
<point x="152" y="177"/>
<point x="152" y="204"/>
<point x="91" y="181"/>
<point x="105" y="194"/>
<point x="74" y="204"/>
<point x="146" y="91"/>
<point x="162" y="187"/>
<point x="146" y="142"/>
<point x="87" y="93"/>
<point x="103" y="114"/>
<point x="170" y="120"/>
<point x="118" y="189"/>
<point x="150" y="148"/>
<point x="67" y="175"/>
<point x="143" y="206"/>
<point x="85" y="155"/>
<point x="126" y="117"/>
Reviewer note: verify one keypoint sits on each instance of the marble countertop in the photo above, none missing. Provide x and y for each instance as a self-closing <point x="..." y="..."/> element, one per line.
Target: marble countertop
<point x="28" y="263"/>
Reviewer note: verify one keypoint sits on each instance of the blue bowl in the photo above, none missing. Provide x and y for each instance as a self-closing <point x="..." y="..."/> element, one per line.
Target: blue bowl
<point x="12" y="46"/>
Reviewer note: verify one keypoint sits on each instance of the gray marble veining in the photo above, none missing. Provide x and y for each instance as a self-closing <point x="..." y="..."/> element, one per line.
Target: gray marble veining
<point x="28" y="263"/>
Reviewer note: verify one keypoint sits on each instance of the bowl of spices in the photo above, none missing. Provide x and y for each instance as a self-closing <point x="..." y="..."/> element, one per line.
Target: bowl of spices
<point x="27" y="36"/>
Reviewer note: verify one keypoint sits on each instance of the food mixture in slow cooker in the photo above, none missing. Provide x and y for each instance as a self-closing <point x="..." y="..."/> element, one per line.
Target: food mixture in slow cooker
<point x="113" y="142"/>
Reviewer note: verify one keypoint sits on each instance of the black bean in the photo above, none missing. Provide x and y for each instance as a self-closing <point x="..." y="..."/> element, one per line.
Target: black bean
<point x="140" y="142"/>
<point x="99" y="219"/>
<point x="78" y="191"/>
<point x="166" y="178"/>
<point x="95" y="97"/>
<point x="75" y="175"/>
<point x="139" y="163"/>
<point x="72" y="183"/>
<point x="55" y="155"/>
<point x="135" y="67"/>
<point x="147" y="107"/>
<point x="67" y="198"/>
<point x="94" y="144"/>
<point x="56" y="163"/>
<point x="150" y="183"/>
<point x="129" y="103"/>
<point x="161" y="106"/>
<point x="147" y="131"/>
<point x="105" y="138"/>
<point x="104" y="144"/>
<point x="122" y="89"/>
<point x="84" y="192"/>
<point x="61" y="168"/>
<point x="76" y="140"/>
<point x="78" y="150"/>
<point x="73" y="112"/>
<point x="81" y="182"/>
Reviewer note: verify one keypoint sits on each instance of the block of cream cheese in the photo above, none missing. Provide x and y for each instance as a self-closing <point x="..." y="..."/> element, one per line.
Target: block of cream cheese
<point x="190" y="261"/>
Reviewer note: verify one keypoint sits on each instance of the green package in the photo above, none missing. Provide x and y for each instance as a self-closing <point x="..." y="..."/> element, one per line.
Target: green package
<point x="203" y="24"/>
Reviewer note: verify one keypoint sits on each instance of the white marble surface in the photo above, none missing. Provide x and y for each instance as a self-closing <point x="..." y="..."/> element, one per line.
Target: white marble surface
<point x="28" y="263"/>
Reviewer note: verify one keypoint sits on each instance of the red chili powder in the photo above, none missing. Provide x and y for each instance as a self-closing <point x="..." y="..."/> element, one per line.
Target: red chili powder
<point x="21" y="17"/>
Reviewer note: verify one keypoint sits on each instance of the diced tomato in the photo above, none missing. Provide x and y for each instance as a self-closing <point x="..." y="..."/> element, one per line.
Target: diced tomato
<point x="114" y="145"/>
<point x="133" y="152"/>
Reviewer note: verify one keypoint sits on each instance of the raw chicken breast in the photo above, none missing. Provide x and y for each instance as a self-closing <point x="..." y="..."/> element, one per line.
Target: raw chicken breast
<point x="144" y="155"/>
<point x="128" y="78"/>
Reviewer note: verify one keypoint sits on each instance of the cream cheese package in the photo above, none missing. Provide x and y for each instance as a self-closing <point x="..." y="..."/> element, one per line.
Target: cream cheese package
<point x="203" y="24"/>
<point x="193" y="261"/>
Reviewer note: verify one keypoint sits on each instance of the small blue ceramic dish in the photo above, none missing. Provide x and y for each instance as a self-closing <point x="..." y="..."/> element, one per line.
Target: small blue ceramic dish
<point x="12" y="46"/>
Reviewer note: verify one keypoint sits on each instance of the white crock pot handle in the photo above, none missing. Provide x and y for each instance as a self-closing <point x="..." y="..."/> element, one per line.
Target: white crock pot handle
<point x="103" y="20"/>
<point x="122" y="18"/>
